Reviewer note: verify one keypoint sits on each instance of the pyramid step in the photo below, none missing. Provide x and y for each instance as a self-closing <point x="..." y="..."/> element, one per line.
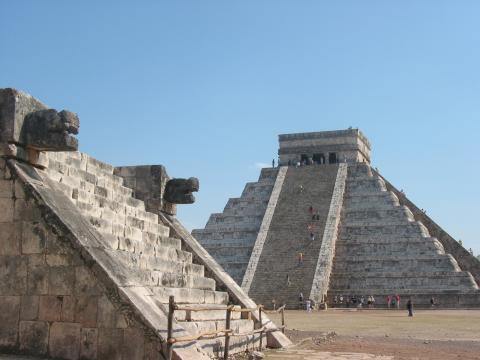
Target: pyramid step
<point x="190" y="296"/>
<point x="149" y="262"/>
<point x="218" y="312"/>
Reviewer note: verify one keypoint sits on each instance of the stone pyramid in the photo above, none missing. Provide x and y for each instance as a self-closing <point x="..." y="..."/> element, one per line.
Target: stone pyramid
<point x="89" y="253"/>
<point x="325" y="224"/>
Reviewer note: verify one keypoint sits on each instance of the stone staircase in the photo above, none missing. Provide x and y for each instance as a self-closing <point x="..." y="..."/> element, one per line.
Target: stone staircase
<point x="288" y="235"/>
<point x="230" y="236"/>
<point x="382" y="250"/>
<point x="144" y="248"/>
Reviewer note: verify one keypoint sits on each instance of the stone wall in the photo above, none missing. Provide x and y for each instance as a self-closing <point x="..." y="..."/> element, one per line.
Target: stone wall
<point x="51" y="303"/>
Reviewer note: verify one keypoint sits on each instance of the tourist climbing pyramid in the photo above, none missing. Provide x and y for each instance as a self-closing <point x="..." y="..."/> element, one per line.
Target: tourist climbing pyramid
<point x="325" y="225"/>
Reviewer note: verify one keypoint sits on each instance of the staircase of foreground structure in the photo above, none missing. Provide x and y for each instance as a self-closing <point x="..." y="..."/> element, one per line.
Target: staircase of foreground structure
<point x="230" y="236"/>
<point x="289" y="235"/>
<point x="144" y="250"/>
<point x="382" y="250"/>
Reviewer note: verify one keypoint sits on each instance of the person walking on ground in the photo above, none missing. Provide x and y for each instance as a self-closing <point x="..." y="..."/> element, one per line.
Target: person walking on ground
<point x="410" y="307"/>
<point x="389" y="301"/>
<point x="300" y="299"/>
<point x="432" y="302"/>
<point x="373" y="302"/>
<point x="398" y="301"/>
<point x="308" y="305"/>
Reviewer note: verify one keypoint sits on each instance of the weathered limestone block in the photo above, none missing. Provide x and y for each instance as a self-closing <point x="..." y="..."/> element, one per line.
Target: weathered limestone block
<point x="13" y="275"/>
<point x="64" y="341"/>
<point x="109" y="343"/>
<point x="9" y="318"/>
<point x="86" y="310"/>
<point x="7" y="206"/>
<point x="88" y="343"/>
<point x="34" y="337"/>
<point x="29" y="307"/>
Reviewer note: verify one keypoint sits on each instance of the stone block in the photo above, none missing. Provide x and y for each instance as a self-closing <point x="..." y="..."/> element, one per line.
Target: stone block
<point x="34" y="337"/>
<point x="61" y="280"/>
<point x="153" y="349"/>
<point x="68" y="309"/>
<point x="88" y="343"/>
<point x="133" y="346"/>
<point x="34" y="238"/>
<point x="85" y="282"/>
<point x="13" y="275"/>
<point x="86" y="310"/>
<point x="18" y="190"/>
<point x="26" y="211"/>
<point x="10" y="234"/>
<point x="65" y="340"/>
<point x="16" y="105"/>
<point x="37" y="281"/>
<point x="29" y="307"/>
<point x="110" y="343"/>
<point x="7" y="206"/>
<point x="9" y="318"/>
<point x="6" y="188"/>
<point x="50" y="308"/>
<point x="106" y="313"/>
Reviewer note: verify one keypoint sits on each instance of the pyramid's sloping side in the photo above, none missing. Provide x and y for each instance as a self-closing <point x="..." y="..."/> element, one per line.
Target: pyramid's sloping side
<point x="230" y="236"/>
<point x="465" y="260"/>
<point x="62" y="294"/>
<point x="384" y="250"/>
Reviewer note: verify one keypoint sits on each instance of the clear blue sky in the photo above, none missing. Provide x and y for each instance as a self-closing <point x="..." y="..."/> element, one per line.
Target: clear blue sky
<point x="205" y="87"/>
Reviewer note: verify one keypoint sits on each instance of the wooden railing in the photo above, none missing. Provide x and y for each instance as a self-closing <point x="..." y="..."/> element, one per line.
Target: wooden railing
<point x="227" y="332"/>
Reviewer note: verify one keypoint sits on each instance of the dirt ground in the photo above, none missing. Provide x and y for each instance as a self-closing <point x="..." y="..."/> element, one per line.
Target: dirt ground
<point x="381" y="334"/>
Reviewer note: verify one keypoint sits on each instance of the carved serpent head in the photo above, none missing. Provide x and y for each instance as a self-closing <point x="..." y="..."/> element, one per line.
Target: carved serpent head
<point x="50" y="130"/>
<point x="180" y="191"/>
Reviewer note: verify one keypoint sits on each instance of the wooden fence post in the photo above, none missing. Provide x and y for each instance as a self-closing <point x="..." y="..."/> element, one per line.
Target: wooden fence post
<point x="261" y="325"/>
<point x="171" y="311"/>
<point x="227" y="332"/>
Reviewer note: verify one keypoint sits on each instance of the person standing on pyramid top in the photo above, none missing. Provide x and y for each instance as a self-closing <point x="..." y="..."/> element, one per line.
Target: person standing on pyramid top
<point x="273" y="163"/>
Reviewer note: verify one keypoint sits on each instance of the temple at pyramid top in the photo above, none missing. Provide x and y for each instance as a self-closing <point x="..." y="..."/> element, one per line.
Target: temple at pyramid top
<point x="324" y="147"/>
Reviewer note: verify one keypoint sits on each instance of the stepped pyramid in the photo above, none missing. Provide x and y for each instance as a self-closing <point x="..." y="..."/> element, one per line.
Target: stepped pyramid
<point x="358" y="235"/>
<point x="89" y="253"/>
